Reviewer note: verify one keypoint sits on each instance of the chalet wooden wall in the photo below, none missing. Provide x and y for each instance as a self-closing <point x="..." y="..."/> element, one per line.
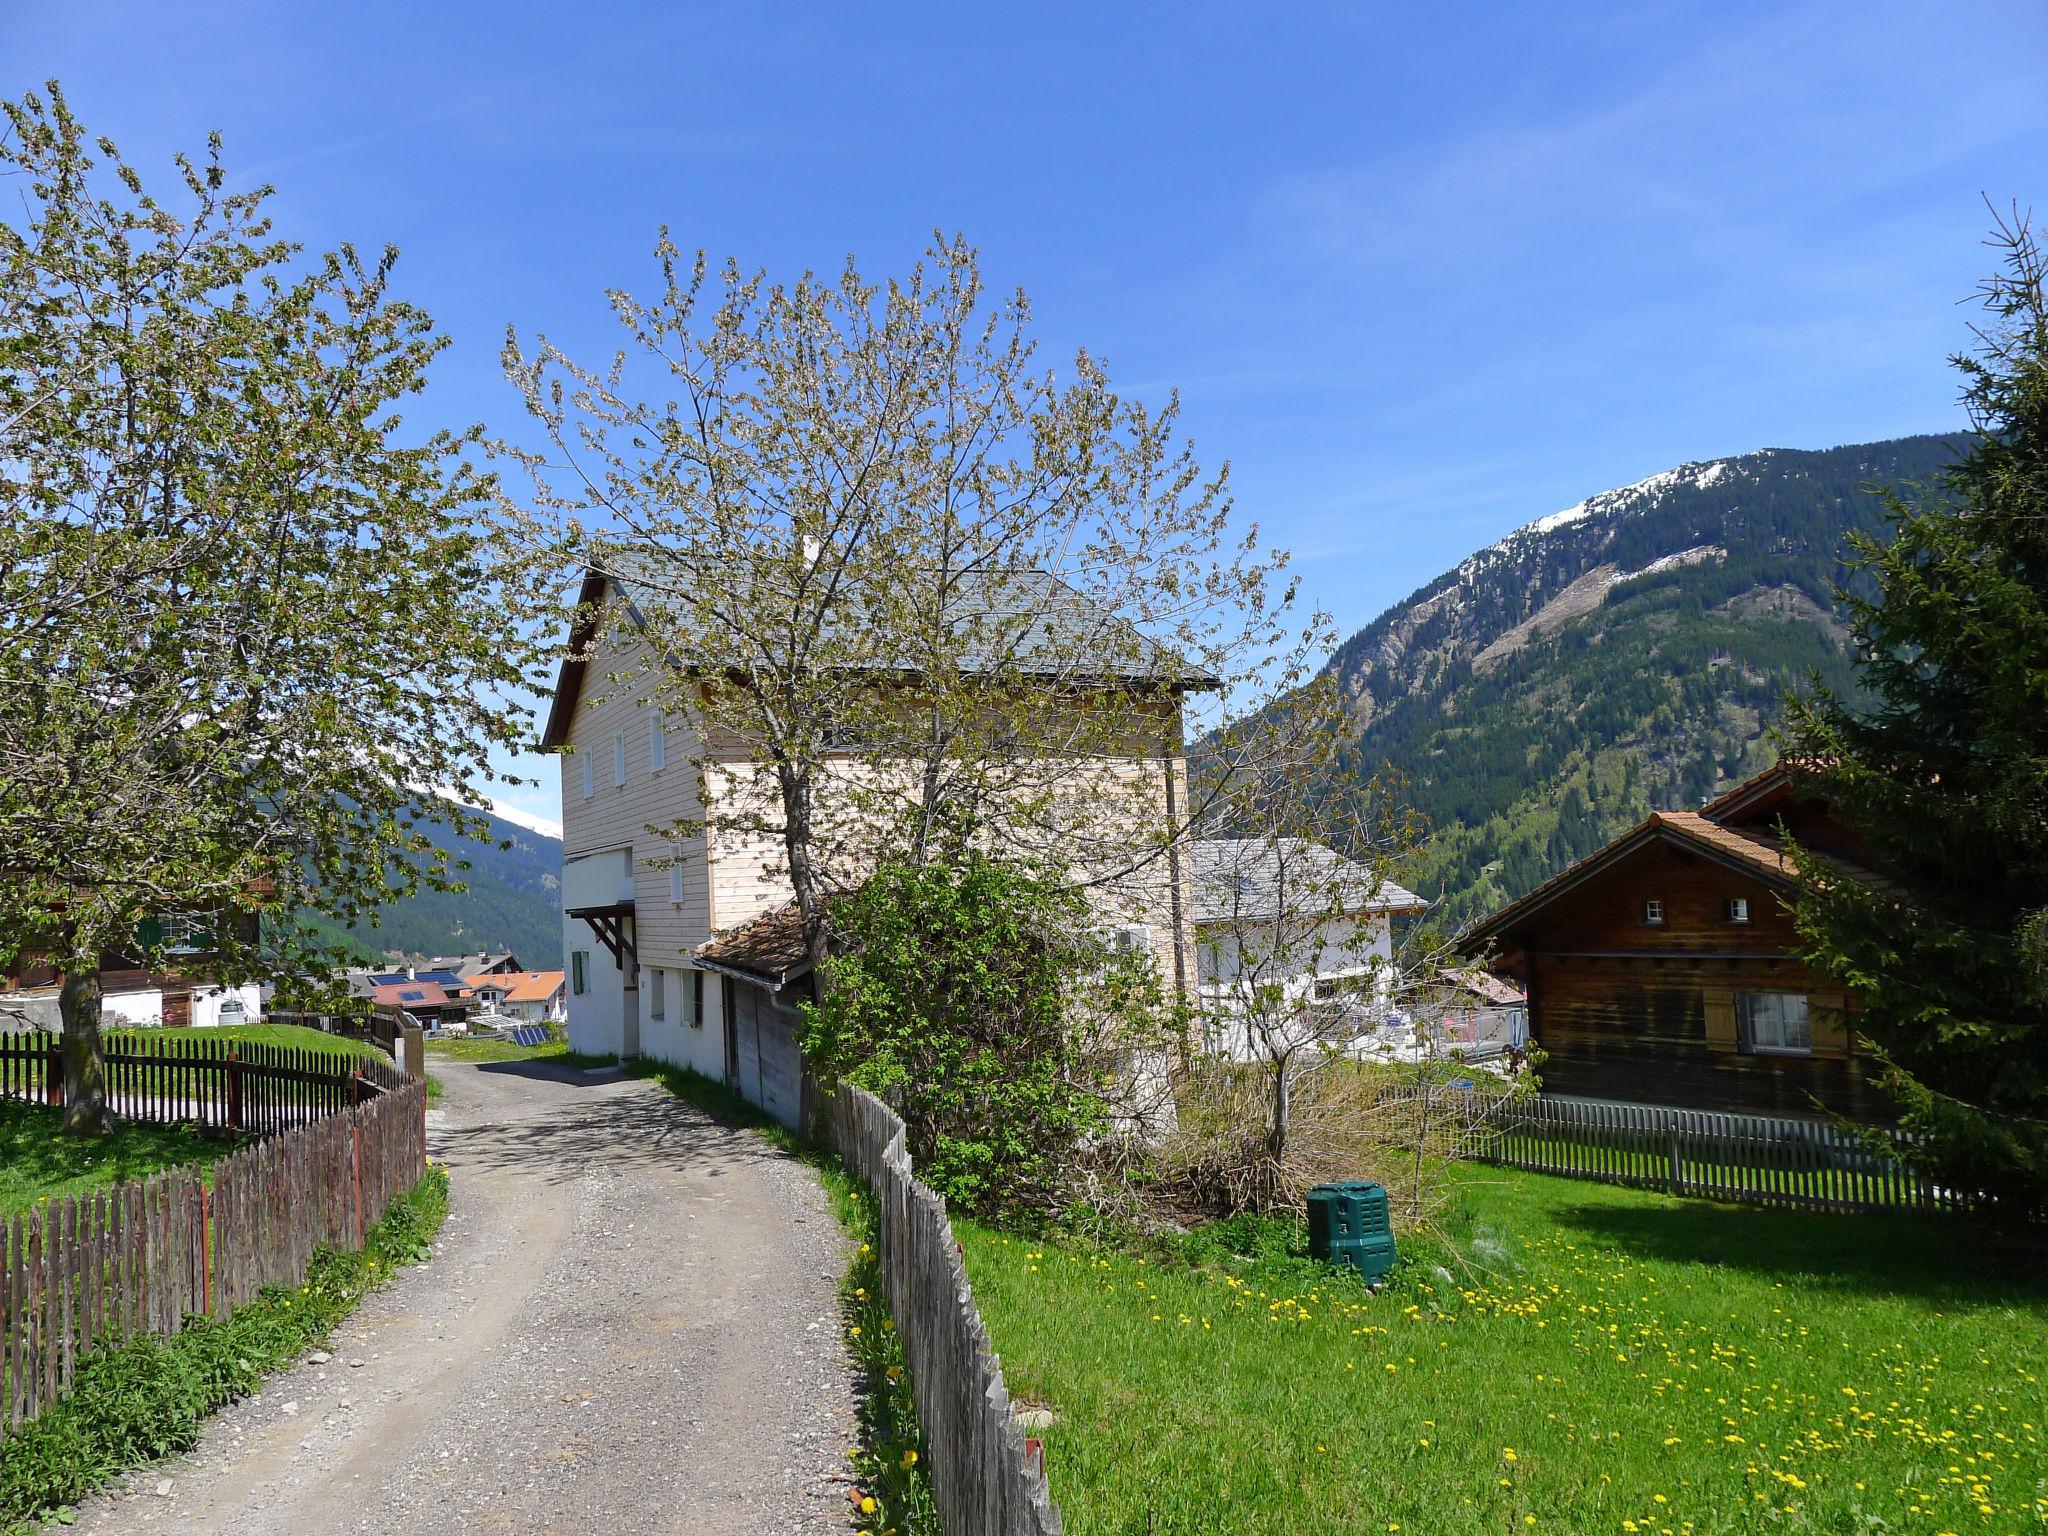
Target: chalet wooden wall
<point x="1624" y="1009"/>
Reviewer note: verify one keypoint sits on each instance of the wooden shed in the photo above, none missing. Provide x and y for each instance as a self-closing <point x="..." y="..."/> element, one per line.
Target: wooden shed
<point x="1663" y="969"/>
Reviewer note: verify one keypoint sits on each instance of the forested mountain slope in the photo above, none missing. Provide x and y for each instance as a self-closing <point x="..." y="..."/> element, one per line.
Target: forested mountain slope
<point x="513" y="901"/>
<point x="1622" y="655"/>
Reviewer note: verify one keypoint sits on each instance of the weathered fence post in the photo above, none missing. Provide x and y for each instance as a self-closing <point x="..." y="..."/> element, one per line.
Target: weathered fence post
<point x="53" y="1077"/>
<point x="355" y="1160"/>
<point x="234" y="1090"/>
<point x="206" y="1249"/>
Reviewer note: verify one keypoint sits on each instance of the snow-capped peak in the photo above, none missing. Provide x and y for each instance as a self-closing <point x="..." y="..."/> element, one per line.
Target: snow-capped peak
<point x="1698" y="476"/>
<point x="541" y="824"/>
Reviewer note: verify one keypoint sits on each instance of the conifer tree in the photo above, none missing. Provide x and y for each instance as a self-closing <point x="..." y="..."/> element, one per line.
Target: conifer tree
<point x="1944" y="772"/>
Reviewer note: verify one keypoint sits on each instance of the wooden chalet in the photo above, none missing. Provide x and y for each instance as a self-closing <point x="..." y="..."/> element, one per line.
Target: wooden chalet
<point x="1662" y="968"/>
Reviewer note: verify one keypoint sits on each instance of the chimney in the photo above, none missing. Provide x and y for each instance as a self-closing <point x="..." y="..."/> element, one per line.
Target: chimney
<point x="412" y="973"/>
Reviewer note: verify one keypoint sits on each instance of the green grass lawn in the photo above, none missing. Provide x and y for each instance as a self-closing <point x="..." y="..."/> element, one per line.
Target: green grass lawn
<point x="37" y="1159"/>
<point x="556" y="1052"/>
<point x="1616" y="1362"/>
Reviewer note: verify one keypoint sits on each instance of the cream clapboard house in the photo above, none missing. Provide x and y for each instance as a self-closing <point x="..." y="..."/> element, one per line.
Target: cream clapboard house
<point x="689" y="951"/>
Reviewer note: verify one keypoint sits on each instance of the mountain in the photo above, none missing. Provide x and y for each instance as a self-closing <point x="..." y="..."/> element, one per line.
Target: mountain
<point x="513" y="901"/>
<point x="1622" y="655"/>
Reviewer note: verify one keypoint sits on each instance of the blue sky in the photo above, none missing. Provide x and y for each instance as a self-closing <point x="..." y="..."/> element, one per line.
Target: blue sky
<point x="1420" y="273"/>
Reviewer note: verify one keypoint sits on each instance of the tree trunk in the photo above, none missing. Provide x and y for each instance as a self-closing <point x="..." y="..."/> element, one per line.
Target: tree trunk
<point x="85" y="1065"/>
<point x="1276" y="1133"/>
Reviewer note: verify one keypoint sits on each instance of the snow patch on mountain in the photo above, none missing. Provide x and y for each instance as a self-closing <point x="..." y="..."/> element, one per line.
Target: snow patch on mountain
<point x="541" y="824"/>
<point x="1697" y="555"/>
<point x="1629" y="498"/>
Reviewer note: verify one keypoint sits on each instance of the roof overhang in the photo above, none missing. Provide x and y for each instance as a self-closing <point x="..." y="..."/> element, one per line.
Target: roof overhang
<point x="590" y="599"/>
<point x="1488" y="931"/>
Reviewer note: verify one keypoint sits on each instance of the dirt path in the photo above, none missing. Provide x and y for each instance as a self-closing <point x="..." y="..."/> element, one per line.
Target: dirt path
<point x="628" y="1326"/>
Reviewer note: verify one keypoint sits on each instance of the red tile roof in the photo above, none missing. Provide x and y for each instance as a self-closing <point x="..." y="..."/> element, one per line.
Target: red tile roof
<point x="411" y="994"/>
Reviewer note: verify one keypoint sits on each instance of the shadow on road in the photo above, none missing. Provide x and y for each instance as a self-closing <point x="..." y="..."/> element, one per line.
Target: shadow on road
<point x="570" y="1120"/>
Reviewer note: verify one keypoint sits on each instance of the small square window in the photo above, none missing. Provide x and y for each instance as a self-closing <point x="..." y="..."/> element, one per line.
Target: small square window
<point x="696" y="999"/>
<point x="657" y="993"/>
<point x="1653" y="911"/>
<point x="1738" y="909"/>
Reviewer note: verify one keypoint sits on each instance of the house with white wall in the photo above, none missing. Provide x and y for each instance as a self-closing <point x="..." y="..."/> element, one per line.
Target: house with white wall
<point x="1292" y="932"/>
<point x="686" y="948"/>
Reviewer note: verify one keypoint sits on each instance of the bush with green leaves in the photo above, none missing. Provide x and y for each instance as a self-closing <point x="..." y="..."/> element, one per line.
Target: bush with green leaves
<point x="978" y="1000"/>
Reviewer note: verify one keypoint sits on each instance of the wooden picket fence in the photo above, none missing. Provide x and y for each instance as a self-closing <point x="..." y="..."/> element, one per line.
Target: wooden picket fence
<point x="987" y="1476"/>
<point x="1754" y="1159"/>
<point x="82" y="1272"/>
<point x="182" y="1076"/>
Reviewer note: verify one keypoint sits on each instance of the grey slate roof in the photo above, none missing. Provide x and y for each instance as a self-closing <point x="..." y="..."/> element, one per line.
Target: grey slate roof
<point x="1237" y="879"/>
<point x="1008" y="617"/>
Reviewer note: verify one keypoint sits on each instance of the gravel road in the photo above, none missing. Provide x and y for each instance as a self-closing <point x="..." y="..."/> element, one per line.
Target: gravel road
<point x="628" y="1325"/>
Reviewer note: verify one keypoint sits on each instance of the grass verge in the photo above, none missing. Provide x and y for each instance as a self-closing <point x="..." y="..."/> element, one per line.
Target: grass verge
<point x="39" y="1162"/>
<point x="1589" y="1359"/>
<point x="146" y="1399"/>
<point x="891" y="1493"/>
<point x="556" y="1052"/>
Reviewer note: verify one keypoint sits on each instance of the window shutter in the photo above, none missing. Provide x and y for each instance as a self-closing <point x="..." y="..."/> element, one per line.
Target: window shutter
<point x="618" y="757"/>
<point x="1720" y="1003"/>
<point x="675" y="873"/>
<point x="589" y="778"/>
<point x="1827" y="1018"/>
<point x="657" y="746"/>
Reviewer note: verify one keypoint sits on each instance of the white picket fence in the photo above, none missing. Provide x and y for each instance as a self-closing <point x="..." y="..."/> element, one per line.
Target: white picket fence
<point x="1756" y="1159"/>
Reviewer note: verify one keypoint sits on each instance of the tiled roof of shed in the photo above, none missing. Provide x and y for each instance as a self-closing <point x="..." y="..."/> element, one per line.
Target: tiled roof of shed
<point x="771" y="947"/>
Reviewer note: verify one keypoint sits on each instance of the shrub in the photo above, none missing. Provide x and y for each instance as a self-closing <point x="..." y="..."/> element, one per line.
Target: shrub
<point x="954" y="1000"/>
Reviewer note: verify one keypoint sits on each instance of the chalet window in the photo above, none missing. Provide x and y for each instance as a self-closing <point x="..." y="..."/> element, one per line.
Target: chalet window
<point x="618" y="757"/>
<point x="1774" y="1023"/>
<point x="589" y="777"/>
<point x="579" y="961"/>
<point x="1653" y="911"/>
<point x="657" y="993"/>
<point x="1738" y="909"/>
<point x="657" y="746"/>
<point x="696" y="999"/>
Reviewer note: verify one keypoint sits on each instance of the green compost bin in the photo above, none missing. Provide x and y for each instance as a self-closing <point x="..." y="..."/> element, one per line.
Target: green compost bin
<point x="1347" y="1224"/>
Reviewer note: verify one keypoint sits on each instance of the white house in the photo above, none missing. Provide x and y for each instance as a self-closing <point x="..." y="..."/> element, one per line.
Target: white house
<point x="536" y="997"/>
<point x="1298" y="925"/>
<point x="688" y="950"/>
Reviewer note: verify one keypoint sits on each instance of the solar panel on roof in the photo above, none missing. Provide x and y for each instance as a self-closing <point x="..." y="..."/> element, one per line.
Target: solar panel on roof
<point x="412" y="997"/>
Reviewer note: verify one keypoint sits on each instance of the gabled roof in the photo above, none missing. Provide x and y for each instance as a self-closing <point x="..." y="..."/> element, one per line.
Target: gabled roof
<point x="411" y="994"/>
<point x="1244" y="879"/>
<point x="1754" y="853"/>
<point x="524" y="986"/>
<point x="1035" y="613"/>
<point x="1752" y="791"/>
